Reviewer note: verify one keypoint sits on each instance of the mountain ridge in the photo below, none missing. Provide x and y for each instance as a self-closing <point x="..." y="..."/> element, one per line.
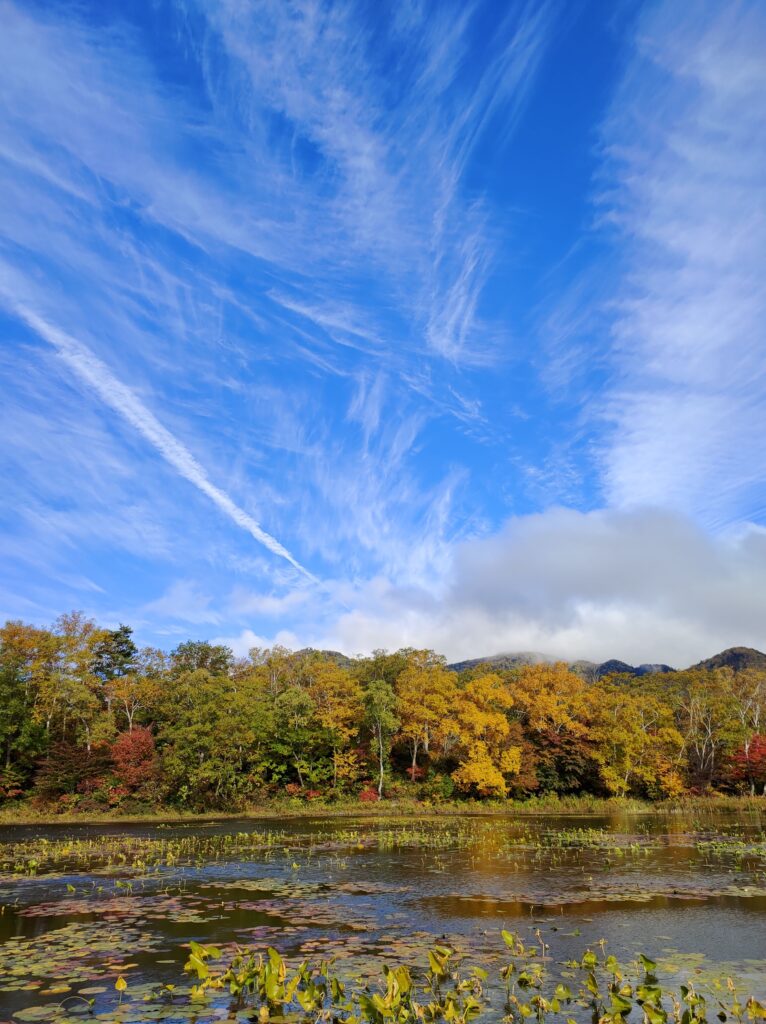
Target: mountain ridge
<point x="735" y="658"/>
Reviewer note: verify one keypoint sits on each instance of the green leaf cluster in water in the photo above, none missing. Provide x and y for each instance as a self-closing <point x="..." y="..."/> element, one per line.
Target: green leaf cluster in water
<point x="262" y="986"/>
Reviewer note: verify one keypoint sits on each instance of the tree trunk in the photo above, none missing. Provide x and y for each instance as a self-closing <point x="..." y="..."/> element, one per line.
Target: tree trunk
<point x="380" y="762"/>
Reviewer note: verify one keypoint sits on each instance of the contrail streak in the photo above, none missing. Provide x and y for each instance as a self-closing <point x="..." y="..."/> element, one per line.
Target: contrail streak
<point x="89" y="368"/>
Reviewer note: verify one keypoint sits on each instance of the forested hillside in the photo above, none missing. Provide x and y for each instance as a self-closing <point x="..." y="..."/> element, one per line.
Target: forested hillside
<point x="89" y="722"/>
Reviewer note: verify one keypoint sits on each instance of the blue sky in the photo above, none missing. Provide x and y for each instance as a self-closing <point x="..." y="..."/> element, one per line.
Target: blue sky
<point x="363" y="325"/>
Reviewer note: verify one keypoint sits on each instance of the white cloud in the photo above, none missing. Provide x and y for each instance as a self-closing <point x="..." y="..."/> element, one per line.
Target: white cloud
<point x="243" y="603"/>
<point x="242" y="643"/>
<point x="184" y="601"/>
<point x="642" y="586"/>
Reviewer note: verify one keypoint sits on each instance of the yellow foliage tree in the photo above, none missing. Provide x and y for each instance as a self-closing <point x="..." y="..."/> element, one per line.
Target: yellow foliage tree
<point x="481" y="722"/>
<point x="552" y="699"/>
<point x="337" y="698"/>
<point x="346" y="767"/>
<point x="70" y="692"/>
<point x="137" y="691"/>
<point x="638" y="747"/>
<point x="426" y="691"/>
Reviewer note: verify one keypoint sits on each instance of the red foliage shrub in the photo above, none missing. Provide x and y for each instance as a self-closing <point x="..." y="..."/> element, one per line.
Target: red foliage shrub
<point x="312" y="794"/>
<point x="749" y="763"/>
<point x="415" y="773"/>
<point x="117" y="794"/>
<point x="10" y="784"/>
<point x="369" y="796"/>
<point x="292" y="789"/>
<point x="135" y="759"/>
<point x="91" y="784"/>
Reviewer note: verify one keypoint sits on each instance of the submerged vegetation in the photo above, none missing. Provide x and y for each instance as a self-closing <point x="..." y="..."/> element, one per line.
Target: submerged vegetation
<point x="90" y="724"/>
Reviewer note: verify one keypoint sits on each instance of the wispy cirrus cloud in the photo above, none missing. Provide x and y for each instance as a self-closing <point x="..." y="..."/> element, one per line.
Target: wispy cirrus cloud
<point x="97" y="376"/>
<point x="387" y="122"/>
<point x="303" y="225"/>
<point x="685" y="190"/>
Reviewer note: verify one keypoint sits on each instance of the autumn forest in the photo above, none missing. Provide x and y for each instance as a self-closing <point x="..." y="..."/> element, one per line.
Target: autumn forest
<point x="88" y="721"/>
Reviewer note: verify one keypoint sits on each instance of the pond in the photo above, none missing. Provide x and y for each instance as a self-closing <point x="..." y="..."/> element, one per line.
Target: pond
<point x="84" y="906"/>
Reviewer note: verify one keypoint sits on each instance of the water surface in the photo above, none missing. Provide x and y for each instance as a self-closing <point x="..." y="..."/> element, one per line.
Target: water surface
<point x="105" y="900"/>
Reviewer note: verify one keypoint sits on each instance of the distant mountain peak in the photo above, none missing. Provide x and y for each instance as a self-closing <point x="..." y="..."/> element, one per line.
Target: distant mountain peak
<point x="503" y="662"/>
<point x="735" y="658"/>
<point x="586" y="669"/>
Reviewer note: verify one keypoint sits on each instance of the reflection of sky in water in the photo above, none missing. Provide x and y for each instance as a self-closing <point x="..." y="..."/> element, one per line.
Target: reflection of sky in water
<point x="642" y="885"/>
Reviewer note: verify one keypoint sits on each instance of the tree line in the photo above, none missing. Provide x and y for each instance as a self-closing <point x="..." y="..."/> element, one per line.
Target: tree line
<point x="90" y="721"/>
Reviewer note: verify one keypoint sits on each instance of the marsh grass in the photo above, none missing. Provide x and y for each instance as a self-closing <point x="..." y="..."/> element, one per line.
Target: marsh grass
<point x="576" y="805"/>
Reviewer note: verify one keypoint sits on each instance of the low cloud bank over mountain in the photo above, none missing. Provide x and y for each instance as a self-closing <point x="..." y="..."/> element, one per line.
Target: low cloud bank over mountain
<point x="642" y="586"/>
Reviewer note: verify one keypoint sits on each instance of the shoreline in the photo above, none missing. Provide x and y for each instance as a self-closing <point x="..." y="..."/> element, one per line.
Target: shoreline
<point x="582" y="807"/>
